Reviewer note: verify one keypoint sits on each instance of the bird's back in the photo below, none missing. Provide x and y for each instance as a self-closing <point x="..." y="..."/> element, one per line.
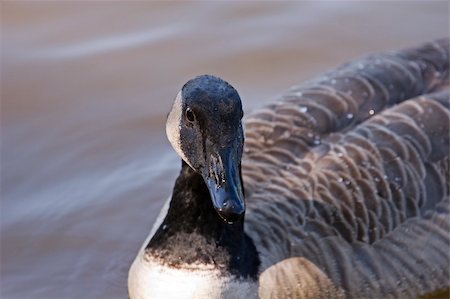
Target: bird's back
<point x="347" y="180"/>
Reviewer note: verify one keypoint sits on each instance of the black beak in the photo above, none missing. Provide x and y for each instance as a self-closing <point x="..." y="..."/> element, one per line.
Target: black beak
<point x="224" y="183"/>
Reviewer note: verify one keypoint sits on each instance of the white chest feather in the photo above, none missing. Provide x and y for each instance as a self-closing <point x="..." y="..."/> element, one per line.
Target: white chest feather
<point x="149" y="279"/>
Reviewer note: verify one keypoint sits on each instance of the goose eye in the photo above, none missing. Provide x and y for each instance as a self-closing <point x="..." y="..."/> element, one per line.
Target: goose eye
<point x="190" y="116"/>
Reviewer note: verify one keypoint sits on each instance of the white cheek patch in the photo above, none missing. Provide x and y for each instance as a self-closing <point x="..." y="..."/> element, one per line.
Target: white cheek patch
<point x="173" y="126"/>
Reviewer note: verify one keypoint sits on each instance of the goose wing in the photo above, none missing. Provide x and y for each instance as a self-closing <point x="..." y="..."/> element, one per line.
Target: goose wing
<point x="285" y="131"/>
<point x="363" y="205"/>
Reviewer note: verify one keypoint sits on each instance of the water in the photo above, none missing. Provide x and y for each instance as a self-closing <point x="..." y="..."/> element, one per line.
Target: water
<point x="86" y="87"/>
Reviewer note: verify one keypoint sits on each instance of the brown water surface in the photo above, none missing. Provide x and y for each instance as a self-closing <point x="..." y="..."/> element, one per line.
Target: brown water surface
<point x="86" y="87"/>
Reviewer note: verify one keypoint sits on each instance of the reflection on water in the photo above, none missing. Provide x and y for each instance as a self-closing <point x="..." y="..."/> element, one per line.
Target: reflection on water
<point x="85" y="90"/>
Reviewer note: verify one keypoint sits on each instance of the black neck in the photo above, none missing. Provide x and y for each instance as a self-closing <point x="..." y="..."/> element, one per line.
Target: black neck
<point x="193" y="232"/>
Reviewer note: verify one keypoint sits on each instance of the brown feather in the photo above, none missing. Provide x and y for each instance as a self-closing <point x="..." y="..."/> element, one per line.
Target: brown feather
<point x="347" y="180"/>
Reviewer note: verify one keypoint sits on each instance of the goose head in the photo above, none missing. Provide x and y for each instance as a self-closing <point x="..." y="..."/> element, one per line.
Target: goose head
<point x="198" y="243"/>
<point x="204" y="127"/>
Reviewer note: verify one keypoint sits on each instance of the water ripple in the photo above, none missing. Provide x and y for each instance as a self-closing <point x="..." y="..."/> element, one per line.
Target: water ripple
<point x="109" y="43"/>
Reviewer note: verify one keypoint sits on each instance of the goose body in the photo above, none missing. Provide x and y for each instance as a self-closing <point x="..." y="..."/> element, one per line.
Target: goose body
<point x="341" y="189"/>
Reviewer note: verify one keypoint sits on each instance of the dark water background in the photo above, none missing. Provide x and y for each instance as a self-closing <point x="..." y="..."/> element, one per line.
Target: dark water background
<point x="86" y="87"/>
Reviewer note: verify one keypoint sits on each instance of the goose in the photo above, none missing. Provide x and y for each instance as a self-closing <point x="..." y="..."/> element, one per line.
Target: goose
<point x="338" y="189"/>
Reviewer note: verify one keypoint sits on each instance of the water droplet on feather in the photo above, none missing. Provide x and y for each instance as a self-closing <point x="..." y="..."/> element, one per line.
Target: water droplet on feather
<point x="303" y="109"/>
